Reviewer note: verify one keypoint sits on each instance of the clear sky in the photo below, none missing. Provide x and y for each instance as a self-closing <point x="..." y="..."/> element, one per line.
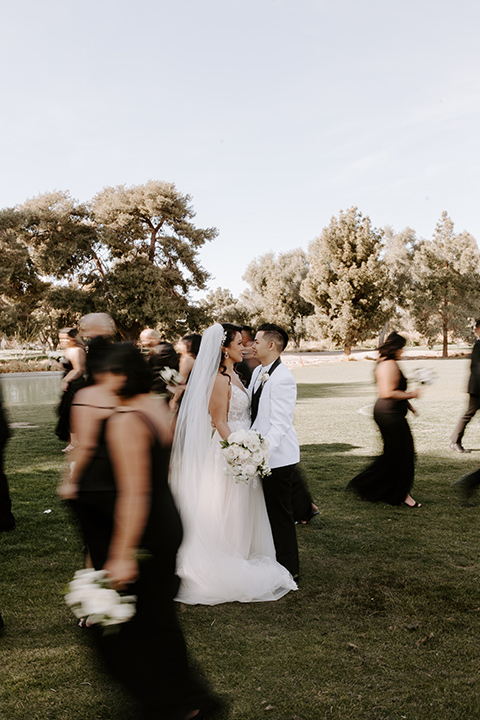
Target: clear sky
<point x="273" y="114"/>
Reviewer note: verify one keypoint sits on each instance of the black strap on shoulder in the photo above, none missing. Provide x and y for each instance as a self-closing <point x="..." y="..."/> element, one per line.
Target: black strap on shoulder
<point x="97" y="407"/>
<point x="148" y="422"/>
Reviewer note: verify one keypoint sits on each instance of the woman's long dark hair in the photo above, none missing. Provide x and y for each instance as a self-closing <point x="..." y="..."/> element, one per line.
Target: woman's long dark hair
<point x="192" y="343"/>
<point x="229" y="335"/>
<point x="126" y="359"/>
<point x="72" y="333"/>
<point x="391" y="346"/>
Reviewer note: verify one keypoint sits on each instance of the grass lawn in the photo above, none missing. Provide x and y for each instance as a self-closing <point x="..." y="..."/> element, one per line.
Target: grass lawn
<point x="386" y="623"/>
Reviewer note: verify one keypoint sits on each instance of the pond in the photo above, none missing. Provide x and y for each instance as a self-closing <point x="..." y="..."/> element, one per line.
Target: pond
<point x="33" y="388"/>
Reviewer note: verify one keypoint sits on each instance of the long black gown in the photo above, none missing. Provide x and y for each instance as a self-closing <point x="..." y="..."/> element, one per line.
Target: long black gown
<point x="390" y="477"/>
<point x="148" y="654"/>
<point x="62" y="429"/>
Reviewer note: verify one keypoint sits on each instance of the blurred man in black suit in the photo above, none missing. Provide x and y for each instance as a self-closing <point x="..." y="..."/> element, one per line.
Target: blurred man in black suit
<point x="474" y="395"/>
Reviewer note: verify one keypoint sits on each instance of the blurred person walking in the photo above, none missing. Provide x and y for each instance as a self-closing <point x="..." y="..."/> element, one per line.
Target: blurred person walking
<point x="133" y="531"/>
<point x="473" y="396"/>
<point x="159" y="355"/>
<point x="74" y="366"/>
<point x="97" y="329"/>
<point x="390" y="477"/>
<point x="188" y="349"/>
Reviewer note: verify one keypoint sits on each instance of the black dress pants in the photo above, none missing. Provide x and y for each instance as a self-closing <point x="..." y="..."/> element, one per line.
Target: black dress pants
<point x="473" y="406"/>
<point x="277" y="489"/>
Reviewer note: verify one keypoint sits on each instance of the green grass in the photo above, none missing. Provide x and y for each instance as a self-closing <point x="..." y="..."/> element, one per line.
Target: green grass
<point x="386" y="622"/>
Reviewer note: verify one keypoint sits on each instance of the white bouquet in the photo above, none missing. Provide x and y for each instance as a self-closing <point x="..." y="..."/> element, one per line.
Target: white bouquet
<point x="170" y="376"/>
<point x="90" y="596"/>
<point x="424" y="376"/>
<point x="246" y="456"/>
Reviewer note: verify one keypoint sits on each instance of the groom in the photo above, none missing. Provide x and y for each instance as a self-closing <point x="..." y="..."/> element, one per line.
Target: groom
<point x="273" y="394"/>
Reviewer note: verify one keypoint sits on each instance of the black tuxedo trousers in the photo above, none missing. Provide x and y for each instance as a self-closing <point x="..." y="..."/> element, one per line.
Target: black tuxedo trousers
<point x="277" y="489"/>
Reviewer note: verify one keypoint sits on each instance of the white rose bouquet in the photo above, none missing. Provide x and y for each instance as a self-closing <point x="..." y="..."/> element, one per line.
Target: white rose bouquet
<point x="170" y="376"/>
<point x="90" y="597"/>
<point x="246" y="456"/>
<point x="424" y="376"/>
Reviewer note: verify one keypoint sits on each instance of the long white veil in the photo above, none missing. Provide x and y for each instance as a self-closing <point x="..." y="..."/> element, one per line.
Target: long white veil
<point x="227" y="553"/>
<point x="194" y="430"/>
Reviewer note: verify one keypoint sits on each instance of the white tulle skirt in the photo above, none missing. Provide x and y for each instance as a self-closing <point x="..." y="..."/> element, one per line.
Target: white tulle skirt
<point x="227" y="553"/>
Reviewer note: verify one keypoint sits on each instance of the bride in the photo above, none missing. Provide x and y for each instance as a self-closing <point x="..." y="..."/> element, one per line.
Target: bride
<point x="227" y="553"/>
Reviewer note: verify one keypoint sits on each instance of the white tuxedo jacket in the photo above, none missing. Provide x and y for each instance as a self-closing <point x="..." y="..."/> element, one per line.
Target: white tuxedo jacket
<point x="274" y="420"/>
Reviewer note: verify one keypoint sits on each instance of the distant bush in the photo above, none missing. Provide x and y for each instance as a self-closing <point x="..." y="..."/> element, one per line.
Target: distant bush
<point x="13" y="366"/>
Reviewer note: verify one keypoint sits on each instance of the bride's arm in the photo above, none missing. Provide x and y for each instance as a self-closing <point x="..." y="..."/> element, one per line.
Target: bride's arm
<point x="218" y="406"/>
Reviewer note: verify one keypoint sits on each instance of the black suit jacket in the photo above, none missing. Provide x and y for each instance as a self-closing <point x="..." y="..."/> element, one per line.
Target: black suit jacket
<point x="474" y="381"/>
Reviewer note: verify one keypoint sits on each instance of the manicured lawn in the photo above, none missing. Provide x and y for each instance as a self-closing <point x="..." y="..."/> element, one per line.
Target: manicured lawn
<point x="387" y="619"/>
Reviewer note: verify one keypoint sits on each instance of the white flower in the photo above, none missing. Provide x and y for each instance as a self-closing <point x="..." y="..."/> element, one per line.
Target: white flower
<point x="100" y="602"/>
<point x="253" y="441"/>
<point x="231" y="453"/>
<point x="239" y="437"/>
<point x="424" y="376"/>
<point x="250" y="470"/>
<point x="170" y="376"/>
<point x="89" y="596"/>
<point x="245" y="454"/>
<point x="258" y="457"/>
<point x="264" y="377"/>
<point x="120" y="613"/>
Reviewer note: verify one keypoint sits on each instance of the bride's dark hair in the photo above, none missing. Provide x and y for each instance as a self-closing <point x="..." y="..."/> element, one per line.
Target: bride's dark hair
<point x="230" y="331"/>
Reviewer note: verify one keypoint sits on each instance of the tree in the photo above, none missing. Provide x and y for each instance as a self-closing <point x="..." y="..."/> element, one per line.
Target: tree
<point x="21" y="289"/>
<point x="446" y="289"/>
<point x="133" y="252"/>
<point x="274" y="294"/>
<point x="220" y="306"/>
<point x="151" y="248"/>
<point x="347" y="283"/>
<point x="397" y="257"/>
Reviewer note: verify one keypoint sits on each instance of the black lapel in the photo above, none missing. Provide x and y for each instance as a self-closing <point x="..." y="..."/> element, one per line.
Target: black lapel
<point x="258" y="391"/>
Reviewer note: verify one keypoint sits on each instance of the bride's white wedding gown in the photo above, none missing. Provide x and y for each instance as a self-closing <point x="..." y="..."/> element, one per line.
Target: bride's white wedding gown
<point x="227" y="553"/>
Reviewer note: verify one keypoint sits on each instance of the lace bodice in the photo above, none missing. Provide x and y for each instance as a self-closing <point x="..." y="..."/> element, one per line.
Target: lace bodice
<point x="239" y="410"/>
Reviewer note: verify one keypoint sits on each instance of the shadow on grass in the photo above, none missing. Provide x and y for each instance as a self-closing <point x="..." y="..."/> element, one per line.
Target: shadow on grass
<point x="310" y="391"/>
<point x="435" y="474"/>
<point x="327" y="449"/>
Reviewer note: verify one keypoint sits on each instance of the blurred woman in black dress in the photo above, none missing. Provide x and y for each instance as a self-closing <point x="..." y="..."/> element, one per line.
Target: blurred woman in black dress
<point x="133" y="531"/>
<point x="74" y="364"/>
<point x="187" y="348"/>
<point x="390" y="477"/>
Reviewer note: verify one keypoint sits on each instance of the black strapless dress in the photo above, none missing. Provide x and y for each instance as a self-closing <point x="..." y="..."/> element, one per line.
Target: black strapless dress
<point x="148" y="654"/>
<point x="390" y="477"/>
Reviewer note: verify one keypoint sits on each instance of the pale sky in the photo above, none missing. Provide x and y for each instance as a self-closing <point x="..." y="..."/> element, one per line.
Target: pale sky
<point x="273" y="115"/>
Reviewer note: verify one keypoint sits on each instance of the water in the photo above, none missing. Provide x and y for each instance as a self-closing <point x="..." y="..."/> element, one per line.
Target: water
<point x="33" y="388"/>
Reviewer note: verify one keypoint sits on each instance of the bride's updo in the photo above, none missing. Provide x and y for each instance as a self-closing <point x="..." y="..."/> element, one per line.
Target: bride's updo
<point x="229" y="332"/>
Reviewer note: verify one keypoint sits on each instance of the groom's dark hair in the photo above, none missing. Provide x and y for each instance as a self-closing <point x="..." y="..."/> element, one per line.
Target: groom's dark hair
<point x="275" y="333"/>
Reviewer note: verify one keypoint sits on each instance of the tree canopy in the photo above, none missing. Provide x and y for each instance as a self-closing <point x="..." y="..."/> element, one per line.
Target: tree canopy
<point x="347" y="283"/>
<point x="446" y="284"/>
<point x="132" y="251"/>
<point x="274" y="294"/>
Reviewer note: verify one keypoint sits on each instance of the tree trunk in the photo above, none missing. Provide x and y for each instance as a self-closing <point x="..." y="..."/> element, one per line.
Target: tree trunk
<point x="383" y="333"/>
<point x="347" y="351"/>
<point x="445" y="338"/>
